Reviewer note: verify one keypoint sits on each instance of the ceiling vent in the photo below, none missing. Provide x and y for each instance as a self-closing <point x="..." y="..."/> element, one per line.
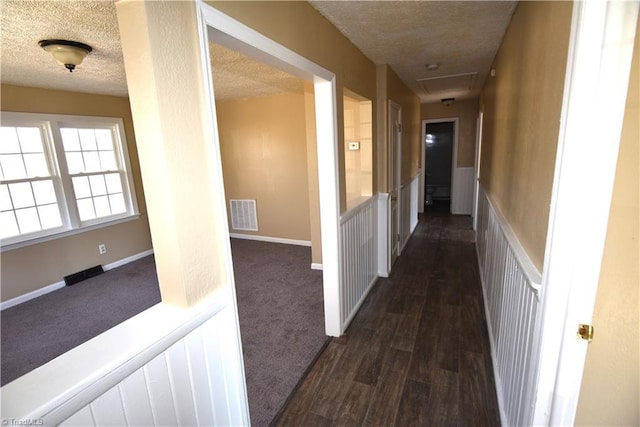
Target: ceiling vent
<point x="464" y="81"/>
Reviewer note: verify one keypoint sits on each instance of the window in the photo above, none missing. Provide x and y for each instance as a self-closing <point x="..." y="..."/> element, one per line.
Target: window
<point x="60" y="175"/>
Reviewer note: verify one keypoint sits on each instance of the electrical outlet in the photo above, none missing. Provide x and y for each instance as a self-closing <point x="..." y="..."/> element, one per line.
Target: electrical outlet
<point x="102" y="248"/>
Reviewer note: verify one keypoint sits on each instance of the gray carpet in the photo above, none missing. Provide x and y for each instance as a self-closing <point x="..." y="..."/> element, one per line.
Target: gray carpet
<point x="43" y="328"/>
<point x="280" y="308"/>
<point x="281" y="314"/>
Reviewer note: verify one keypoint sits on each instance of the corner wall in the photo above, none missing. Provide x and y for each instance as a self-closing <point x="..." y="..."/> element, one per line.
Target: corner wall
<point x="35" y="266"/>
<point x="264" y="157"/>
<point x="522" y="106"/>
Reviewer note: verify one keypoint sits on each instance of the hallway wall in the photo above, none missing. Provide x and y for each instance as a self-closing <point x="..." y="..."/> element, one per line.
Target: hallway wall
<point x="66" y="255"/>
<point x="467" y="111"/>
<point x="522" y="106"/>
<point x="611" y="381"/>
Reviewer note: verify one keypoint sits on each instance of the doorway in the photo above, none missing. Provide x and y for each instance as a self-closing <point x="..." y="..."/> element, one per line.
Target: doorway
<point x="439" y="140"/>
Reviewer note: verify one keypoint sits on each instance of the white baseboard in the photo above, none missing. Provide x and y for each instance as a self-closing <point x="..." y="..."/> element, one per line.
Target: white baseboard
<point x="127" y="260"/>
<point x="31" y="295"/>
<point x="59" y="285"/>
<point x="270" y="239"/>
<point x="316" y="266"/>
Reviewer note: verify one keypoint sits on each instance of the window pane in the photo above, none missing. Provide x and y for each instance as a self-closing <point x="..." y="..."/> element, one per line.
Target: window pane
<point x="30" y="140"/>
<point x="9" y="140"/>
<point x="108" y="161"/>
<point x="8" y="224"/>
<point x="102" y="206"/>
<point x="75" y="163"/>
<point x="117" y="203"/>
<point x="98" y="187"/>
<point x="85" y="209"/>
<point x="36" y="165"/>
<point x="28" y="220"/>
<point x="113" y="183"/>
<point x="70" y="139"/>
<point x="104" y="139"/>
<point x="91" y="161"/>
<point x="87" y="139"/>
<point x="44" y="192"/>
<point x="81" y="187"/>
<point x="49" y="216"/>
<point x="21" y="195"/>
<point x="12" y="166"/>
<point x="5" y="200"/>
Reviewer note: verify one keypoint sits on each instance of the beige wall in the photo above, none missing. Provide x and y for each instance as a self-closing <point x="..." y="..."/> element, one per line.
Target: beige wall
<point x="299" y="27"/>
<point x="398" y="92"/>
<point x="522" y="106"/>
<point x="312" y="174"/>
<point x="32" y="267"/>
<point x="263" y="143"/>
<point x="467" y="112"/>
<point x="610" y="392"/>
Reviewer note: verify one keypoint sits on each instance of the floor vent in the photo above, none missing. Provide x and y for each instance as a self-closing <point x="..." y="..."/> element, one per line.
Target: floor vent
<point x="74" y="278"/>
<point x="243" y="215"/>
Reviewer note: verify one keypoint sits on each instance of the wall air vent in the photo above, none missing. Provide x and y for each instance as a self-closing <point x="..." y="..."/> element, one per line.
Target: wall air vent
<point x="464" y="81"/>
<point x="243" y="215"/>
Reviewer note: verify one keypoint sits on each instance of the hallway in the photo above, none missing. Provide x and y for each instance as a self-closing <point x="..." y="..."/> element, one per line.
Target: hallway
<point x="418" y="352"/>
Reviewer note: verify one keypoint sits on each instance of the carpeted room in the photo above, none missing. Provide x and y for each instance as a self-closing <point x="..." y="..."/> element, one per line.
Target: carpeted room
<point x="277" y="347"/>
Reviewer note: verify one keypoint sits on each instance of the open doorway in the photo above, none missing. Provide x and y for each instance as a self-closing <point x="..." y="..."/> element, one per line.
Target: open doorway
<point x="263" y="116"/>
<point x="439" y="140"/>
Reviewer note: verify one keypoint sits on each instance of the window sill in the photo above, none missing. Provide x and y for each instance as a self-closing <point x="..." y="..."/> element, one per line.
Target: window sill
<point x="67" y="233"/>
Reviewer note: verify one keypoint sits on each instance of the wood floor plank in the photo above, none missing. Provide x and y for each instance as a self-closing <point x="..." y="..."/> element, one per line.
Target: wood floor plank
<point x="354" y="406"/>
<point x="413" y="408"/>
<point x="305" y="395"/>
<point x="417" y="353"/>
<point x="478" y="392"/>
<point x="385" y="401"/>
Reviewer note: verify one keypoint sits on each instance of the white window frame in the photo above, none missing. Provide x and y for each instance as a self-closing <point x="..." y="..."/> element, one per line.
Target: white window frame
<point x="50" y="125"/>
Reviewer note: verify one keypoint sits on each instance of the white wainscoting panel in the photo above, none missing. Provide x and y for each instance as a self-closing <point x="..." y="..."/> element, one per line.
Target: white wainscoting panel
<point x="511" y="285"/>
<point x="384" y="209"/>
<point x="414" y="202"/>
<point x="408" y="209"/>
<point x="462" y="194"/>
<point x="166" y="366"/>
<point x="359" y="254"/>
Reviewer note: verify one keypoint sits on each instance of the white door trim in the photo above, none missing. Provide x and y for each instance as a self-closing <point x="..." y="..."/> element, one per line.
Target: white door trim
<point x="454" y="157"/>
<point x="397" y="169"/>
<point x="476" y="175"/>
<point x="235" y="35"/>
<point x="596" y="84"/>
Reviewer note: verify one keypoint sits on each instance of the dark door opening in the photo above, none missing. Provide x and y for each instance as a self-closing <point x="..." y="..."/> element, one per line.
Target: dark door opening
<point x="439" y="152"/>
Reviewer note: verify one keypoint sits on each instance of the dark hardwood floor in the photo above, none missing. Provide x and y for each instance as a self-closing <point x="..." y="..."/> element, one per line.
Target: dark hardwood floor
<point x="418" y="352"/>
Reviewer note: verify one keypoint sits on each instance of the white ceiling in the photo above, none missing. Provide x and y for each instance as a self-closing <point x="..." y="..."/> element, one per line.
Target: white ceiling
<point x="461" y="36"/>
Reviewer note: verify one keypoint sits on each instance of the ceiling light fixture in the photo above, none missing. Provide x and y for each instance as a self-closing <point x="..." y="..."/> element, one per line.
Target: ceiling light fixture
<point x="447" y="101"/>
<point x="66" y="52"/>
<point x="432" y="67"/>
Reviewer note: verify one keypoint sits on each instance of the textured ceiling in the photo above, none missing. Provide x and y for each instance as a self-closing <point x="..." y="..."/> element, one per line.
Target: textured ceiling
<point x="24" y="63"/>
<point x="235" y="75"/>
<point x="461" y="36"/>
